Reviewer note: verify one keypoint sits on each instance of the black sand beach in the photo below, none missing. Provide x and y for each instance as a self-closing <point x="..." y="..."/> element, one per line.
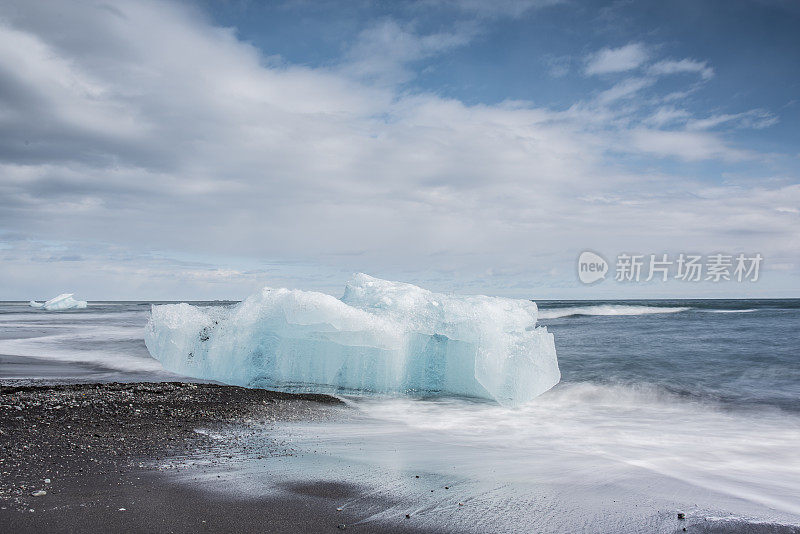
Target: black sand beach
<point x="83" y="458"/>
<point x="116" y="457"/>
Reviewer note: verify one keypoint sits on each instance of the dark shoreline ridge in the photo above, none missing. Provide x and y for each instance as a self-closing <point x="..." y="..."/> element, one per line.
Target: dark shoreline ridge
<point x="97" y="445"/>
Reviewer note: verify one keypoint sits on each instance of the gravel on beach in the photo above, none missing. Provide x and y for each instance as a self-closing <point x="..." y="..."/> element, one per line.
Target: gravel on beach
<point x="102" y="457"/>
<point x="49" y="434"/>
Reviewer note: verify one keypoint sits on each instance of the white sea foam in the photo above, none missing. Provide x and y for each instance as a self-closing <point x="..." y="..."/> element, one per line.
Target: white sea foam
<point x="97" y="339"/>
<point x="731" y="311"/>
<point x="743" y="454"/>
<point x="607" y="309"/>
<point x="581" y="458"/>
<point x="75" y="346"/>
<point x="58" y="320"/>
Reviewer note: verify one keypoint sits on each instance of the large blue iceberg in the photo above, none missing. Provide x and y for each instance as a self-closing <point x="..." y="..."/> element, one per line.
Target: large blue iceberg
<point x="381" y="337"/>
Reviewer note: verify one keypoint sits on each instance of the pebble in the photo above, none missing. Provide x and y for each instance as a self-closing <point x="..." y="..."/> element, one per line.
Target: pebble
<point x="40" y="406"/>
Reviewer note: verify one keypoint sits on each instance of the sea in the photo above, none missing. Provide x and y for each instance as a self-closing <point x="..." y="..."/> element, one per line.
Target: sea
<point x="664" y="407"/>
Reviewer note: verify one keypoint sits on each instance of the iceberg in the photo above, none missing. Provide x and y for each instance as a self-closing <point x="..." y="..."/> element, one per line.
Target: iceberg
<point x="381" y="337"/>
<point x="61" y="302"/>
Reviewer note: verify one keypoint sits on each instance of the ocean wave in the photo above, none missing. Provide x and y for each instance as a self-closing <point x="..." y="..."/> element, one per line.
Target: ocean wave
<point x="607" y="309"/>
<point x="731" y="311"/>
<point x="80" y="347"/>
<point x="641" y="425"/>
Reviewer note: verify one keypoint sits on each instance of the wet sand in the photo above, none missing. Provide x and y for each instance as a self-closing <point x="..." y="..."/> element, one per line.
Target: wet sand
<point x="85" y="458"/>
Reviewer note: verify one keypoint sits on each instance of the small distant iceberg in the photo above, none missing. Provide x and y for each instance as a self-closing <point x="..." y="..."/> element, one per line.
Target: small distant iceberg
<point x="62" y="302"/>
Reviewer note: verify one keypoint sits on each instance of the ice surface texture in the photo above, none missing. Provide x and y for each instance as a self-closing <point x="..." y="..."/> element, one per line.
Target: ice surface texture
<point x="62" y="302"/>
<point x="380" y="337"/>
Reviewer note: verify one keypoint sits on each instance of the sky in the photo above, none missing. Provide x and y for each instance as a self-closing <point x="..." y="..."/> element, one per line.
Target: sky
<point x="202" y="150"/>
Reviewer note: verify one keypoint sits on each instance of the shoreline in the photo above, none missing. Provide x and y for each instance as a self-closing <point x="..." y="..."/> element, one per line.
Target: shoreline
<point x="179" y="457"/>
<point x="84" y="458"/>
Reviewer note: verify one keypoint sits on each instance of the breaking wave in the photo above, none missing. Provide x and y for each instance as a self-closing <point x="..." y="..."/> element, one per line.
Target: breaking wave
<point x="731" y="311"/>
<point x="607" y="309"/>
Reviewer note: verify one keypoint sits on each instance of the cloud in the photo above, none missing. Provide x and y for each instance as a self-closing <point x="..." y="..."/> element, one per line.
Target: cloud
<point x="497" y="8"/>
<point x="557" y="66"/>
<point x="689" y="146"/>
<point x="160" y="149"/>
<point x="754" y="119"/>
<point x="624" y="89"/>
<point x="669" y="67"/>
<point x="667" y="115"/>
<point x="613" y="60"/>
<point x="381" y="53"/>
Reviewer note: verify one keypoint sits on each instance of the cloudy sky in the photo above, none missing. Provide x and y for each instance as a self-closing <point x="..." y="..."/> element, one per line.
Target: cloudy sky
<point x="179" y="150"/>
